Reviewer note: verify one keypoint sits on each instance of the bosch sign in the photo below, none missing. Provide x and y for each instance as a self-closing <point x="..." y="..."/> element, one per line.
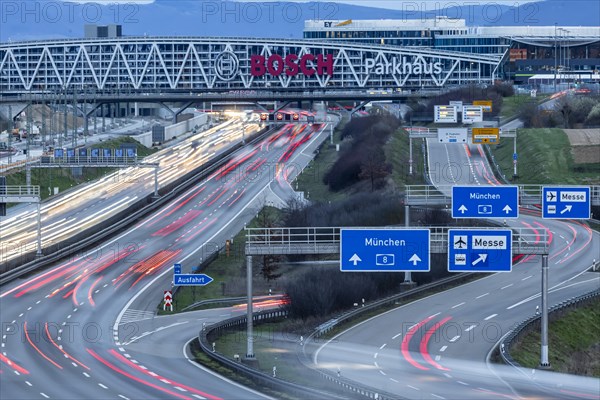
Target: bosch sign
<point x="291" y="65"/>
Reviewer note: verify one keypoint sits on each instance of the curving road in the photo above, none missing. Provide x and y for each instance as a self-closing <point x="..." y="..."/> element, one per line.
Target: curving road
<point x="439" y="347"/>
<point x="89" y="204"/>
<point x="86" y="328"/>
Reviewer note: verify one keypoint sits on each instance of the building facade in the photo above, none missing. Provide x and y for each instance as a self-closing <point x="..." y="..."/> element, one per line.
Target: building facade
<point x="525" y="50"/>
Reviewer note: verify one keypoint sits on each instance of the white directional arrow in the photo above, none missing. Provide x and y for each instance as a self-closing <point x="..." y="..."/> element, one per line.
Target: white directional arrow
<point x="414" y="259"/>
<point x="462" y="209"/>
<point x="566" y="209"/>
<point x="507" y="209"/>
<point x="355" y="259"/>
<point x="482" y="257"/>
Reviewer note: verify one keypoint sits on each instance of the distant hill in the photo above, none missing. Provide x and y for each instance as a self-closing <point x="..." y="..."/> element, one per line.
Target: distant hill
<point x="55" y="19"/>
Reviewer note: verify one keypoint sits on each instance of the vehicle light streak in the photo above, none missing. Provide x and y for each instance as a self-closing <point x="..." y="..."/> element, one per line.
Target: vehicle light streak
<point x="13" y="365"/>
<point x="161" y="378"/>
<point x="425" y="342"/>
<point x="62" y="350"/>
<point x="135" y="378"/>
<point x="180" y="223"/>
<point x="405" y="341"/>
<point x="36" y="348"/>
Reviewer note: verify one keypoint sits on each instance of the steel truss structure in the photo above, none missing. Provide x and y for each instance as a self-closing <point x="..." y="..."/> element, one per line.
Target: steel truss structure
<point x="170" y="64"/>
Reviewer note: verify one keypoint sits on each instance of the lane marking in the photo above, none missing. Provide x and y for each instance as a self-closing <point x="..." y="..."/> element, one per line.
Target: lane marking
<point x="470" y="328"/>
<point x="485" y="294"/>
<point x="490" y="317"/>
<point x="507" y="286"/>
<point x="454" y="339"/>
<point x="395" y="336"/>
<point x="527" y="277"/>
<point x="443" y="348"/>
<point x="103" y="386"/>
<point x="458" y="305"/>
<point x="412" y="387"/>
<point x="382" y="346"/>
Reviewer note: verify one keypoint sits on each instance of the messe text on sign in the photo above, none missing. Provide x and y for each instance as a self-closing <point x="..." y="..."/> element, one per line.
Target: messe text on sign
<point x="479" y="250"/>
<point x="566" y="202"/>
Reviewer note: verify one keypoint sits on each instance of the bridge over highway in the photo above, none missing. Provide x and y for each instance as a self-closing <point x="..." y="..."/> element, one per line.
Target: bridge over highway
<point x="199" y="68"/>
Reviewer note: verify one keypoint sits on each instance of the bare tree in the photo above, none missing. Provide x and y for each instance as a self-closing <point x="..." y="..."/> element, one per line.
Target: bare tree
<point x="374" y="166"/>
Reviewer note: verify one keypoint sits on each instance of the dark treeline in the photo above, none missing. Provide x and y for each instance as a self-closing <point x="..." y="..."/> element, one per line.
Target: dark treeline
<point x="568" y="112"/>
<point x="322" y="291"/>
<point x="365" y="157"/>
<point x="360" y="209"/>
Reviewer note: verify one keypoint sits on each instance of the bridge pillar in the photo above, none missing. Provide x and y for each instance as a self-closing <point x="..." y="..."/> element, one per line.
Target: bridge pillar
<point x="249" y="323"/>
<point x="407" y="275"/>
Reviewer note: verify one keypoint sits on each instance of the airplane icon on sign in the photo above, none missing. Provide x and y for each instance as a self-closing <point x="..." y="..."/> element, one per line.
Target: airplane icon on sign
<point x="460" y="243"/>
<point x="550" y="196"/>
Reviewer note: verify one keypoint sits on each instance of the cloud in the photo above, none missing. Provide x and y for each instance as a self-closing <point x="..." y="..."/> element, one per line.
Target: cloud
<point x="421" y="5"/>
<point x="108" y="2"/>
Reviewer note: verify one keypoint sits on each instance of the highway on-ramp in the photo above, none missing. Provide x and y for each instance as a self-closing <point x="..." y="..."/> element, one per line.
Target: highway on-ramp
<point x="80" y="329"/>
<point x="439" y="347"/>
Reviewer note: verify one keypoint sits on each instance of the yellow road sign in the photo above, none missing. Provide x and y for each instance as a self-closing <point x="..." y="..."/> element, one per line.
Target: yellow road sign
<point x="485" y="135"/>
<point x="486" y="105"/>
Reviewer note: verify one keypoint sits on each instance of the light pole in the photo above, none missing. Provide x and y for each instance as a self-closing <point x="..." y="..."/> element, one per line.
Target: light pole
<point x="555" y="64"/>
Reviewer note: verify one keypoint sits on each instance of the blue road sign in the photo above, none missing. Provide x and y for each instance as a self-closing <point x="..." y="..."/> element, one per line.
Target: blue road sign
<point x="177" y="269"/>
<point x="485" y="202"/>
<point x="515" y="156"/>
<point x="384" y="250"/>
<point x="566" y="202"/>
<point x="479" y="250"/>
<point x="191" y="279"/>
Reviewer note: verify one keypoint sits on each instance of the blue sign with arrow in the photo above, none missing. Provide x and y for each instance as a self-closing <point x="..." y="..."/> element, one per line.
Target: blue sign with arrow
<point x="484" y="250"/>
<point x="384" y="250"/>
<point x="177" y="269"/>
<point x="485" y="202"/>
<point x="566" y="202"/>
<point x="191" y="279"/>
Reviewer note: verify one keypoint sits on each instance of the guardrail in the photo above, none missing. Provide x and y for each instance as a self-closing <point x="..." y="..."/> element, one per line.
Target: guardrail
<point x="119" y="222"/>
<point x="534" y="321"/>
<point x="206" y="335"/>
<point x="328" y="326"/>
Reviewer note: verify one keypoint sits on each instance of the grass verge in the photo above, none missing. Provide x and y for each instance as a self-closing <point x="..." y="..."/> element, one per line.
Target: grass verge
<point x="398" y="155"/>
<point x="573" y="342"/>
<point x="310" y="180"/>
<point x="228" y="272"/>
<point x="544" y="157"/>
<point x="511" y="105"/>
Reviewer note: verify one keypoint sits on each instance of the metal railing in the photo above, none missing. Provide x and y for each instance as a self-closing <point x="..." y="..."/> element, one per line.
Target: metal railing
<point x="326" y="240"/>
<point x="19" y="191"/>
<point x="49" y="161"/>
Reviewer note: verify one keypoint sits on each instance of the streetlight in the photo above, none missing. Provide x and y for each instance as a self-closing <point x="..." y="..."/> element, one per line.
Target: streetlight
<point x="555" y="64"/>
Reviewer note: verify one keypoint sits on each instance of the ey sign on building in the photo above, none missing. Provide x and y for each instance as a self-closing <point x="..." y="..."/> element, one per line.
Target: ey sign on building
<point x="485" y="202"/>
<point x="479" y="250"/>
<point x="384" y="250"/>
<point x="566" y="202"/>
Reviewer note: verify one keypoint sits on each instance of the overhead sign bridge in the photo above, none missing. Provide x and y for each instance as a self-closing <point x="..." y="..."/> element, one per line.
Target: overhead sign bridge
<point x="238" y="66"/>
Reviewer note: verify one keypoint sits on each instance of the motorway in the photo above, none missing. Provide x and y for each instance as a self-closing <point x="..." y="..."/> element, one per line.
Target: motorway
<point x="88" y="204"/>
<point x="86" y="328"/>
<point x="439" y="347"/>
